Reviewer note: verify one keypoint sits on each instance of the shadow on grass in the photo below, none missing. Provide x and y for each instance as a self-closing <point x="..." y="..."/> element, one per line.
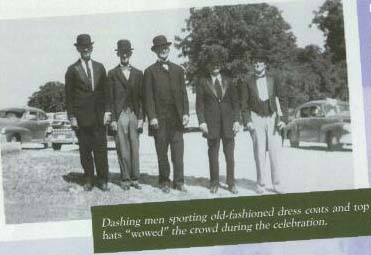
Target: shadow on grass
<point x="323" y="148"/>
<point x="152" y="180"/>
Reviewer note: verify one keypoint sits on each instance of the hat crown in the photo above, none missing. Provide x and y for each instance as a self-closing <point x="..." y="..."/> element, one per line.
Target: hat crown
<point x="160" y="40"/>
<point x="83" y="39"/>
<point x="124" y="45"/>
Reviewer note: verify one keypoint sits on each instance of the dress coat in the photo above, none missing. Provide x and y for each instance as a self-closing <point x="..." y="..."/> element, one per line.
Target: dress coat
<point x="121" y="89"/>
<point x="87" y="105"/>
<point x="218" y="115"/>
<point x="155" y="78"/>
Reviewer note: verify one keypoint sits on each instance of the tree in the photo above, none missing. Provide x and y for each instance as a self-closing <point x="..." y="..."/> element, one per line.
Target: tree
<point x="50" y="97"/>
<point x="329" y="19"/>
<point x="237" y="33"/>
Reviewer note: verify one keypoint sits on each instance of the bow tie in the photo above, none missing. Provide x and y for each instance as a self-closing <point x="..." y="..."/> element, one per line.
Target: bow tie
<point x="124" y="68"/>
<point x="164" y="62"/>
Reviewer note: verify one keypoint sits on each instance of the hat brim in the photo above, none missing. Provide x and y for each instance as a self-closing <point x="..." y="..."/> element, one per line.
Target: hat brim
<point x="160" y="45"/>
<point x="85" y="44"/>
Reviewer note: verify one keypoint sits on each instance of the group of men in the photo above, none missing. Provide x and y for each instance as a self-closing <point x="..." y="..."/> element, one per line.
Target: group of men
<point x="126" y="97"/>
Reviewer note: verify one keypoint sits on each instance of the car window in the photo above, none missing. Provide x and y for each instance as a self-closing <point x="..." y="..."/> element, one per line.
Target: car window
<point x="42" y="116"/>
<point x="313" y="111"/>
<point x="331" y="109"/>
<point x="11" y="114"/>
<point x="31" y="115"/>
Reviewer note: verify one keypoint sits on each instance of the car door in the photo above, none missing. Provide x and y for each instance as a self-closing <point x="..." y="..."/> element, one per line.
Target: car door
<point x="43" y="123"/>
<point x="311" y="119"/>
<point x="29" y="123"/>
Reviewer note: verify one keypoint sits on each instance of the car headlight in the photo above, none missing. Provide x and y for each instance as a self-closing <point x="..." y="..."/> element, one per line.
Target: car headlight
<point x="49" y="130"/>
<point x="347" y="127"/>
<point x="3" y="130"/>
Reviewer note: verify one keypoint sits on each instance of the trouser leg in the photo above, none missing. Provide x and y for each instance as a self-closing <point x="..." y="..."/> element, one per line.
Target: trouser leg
<point x="259" y="138"/>
<point x="228" y="148"/>
<point x="100" y="153"/>
<point x="86" y="148"/>
<point x="177" y="154"/>
<point x="213" y="152"/>
<point x="274" y="148"/>
<point x="123" y="146"/>
<point x="162" y="145"/>
<point x="134" y="147"/>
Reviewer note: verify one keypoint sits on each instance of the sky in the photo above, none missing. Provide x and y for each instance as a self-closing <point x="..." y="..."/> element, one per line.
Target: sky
<point x="37" y="50"/>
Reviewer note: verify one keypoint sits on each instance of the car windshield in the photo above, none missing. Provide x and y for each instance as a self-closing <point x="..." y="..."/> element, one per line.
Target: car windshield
<point x="10" y="114"/>
<point x="60" y="116"/>
<point x="333" y="109"/>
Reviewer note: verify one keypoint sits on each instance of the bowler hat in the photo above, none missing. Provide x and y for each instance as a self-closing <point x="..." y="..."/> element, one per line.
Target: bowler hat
<point x="158" y="41"/>
<point x="124" y="46"/>
<point x="83" y="40"/>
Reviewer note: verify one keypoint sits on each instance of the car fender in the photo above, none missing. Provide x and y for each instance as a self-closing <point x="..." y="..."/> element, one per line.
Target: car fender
<point x="24" y="133"/>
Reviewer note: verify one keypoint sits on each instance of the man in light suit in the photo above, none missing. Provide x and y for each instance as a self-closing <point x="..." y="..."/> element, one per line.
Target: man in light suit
<point x="167" y="108"/>
<point x="265" y="113"/>
<point x="87" y="101"/>
<point x="125" y="83"/>
<point x="218" y="113"/>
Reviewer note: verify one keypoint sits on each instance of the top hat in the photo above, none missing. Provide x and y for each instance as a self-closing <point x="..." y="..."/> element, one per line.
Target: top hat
<point x="83" y="40"/>
<point x="260" y="55"/>
<point x="158" y="41"/>
<point x="123" y="46"/>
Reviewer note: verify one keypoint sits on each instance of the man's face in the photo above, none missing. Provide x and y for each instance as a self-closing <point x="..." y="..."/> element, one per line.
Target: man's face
<point x="124" y="56"/>
<point x="85" y="51"/>
<point x="260" y="67"/>
<point x="163" y="52"/>
<point x="214" y="69"/>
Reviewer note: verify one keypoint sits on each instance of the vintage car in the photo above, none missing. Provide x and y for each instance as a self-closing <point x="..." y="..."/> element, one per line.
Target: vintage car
<point x="61" y="132"/>
<point x="322" y="121"/>
<point x="24" y="125"/>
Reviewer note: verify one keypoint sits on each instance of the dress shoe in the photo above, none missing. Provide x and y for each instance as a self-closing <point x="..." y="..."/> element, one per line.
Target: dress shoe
<point x="165" y="189"/>
<point x="181" y="188"/>
<point x="125" y="185"/>
<point x="213" y="189"/>
<point x="103" y="186"/>
<point x="259" y="189"/>
<point x="233" y="189"/>
<point x="136" y="185"/>
<point x="88" y="186"/>
<point x="277" y="189"/>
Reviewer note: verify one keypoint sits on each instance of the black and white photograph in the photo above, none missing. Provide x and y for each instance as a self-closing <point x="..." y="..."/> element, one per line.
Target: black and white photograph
<point x="173" y="104"/>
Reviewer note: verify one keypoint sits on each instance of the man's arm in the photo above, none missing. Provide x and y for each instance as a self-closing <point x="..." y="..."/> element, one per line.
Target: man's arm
<point x="235" y="101"/>
<point x="185" y="96"/>
<point x="149" y="95"/>
<point x="244" y="103"/>
<point x="279" y="91"/>
<point x="69" y="80"/>
<point x="141" y="113"/>
<point x="200" y="107"/>
<point x="111" y="92"/>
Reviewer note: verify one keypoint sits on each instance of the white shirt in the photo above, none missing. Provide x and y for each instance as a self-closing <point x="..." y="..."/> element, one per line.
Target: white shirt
<point x="262" y="86"/>
<point x="213" y="78"/>
<point x="126" y="71"/>
<point x="90" y="63"/>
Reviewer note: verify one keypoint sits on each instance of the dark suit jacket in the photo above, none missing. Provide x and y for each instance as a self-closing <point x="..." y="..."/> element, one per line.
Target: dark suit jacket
<point x="155" y="76"/>
<point x="250" y="100"/>
<point x="86" y="105"/>
<point x="121" y="89"/>
<point x="217" y="115"/>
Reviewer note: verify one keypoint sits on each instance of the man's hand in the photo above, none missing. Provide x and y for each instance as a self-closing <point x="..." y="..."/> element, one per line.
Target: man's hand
<point x="107" y="118"/>
<point x="140" y="126"/>
<point x="250" y="126"/>
<point x="154" y="123"/>
<point x="114" y="126"/>
<point x="74" y="124"/>
<point x="203" y="127"/>
<point x="236" y="127"/>
<point x="281" y="125"/>
<point x="185" y="120"/>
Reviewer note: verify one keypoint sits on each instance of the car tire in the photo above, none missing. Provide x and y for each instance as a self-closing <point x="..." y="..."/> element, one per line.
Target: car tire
<point x="333" y="142"/>
<point x="56" y="146"/>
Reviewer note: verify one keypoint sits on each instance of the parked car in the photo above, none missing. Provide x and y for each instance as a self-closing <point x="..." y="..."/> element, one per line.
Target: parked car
<point x="24" y="125"/>
<point x="61" y="132"/>
<point x="324" y="121"/>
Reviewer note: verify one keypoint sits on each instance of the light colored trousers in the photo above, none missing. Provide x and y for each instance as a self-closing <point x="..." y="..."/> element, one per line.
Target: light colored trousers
<point x="266" y="140"/>
<point x="127" y="146"/>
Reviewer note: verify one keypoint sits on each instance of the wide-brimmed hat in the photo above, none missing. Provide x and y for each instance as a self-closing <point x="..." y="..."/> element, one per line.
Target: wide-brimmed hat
<point x="159" y="41"/>
<point x="83" y="40"/>
<point x="124" y="46"/>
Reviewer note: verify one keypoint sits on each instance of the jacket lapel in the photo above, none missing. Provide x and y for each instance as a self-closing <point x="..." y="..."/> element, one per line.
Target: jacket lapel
<point x="211" y="86"/>
<point x="270" y="87"/>
<point x="96" y="74"/>
<point x="121" y="76"/>
<point x="225" y="86"/>
<point x="82" y="73"/>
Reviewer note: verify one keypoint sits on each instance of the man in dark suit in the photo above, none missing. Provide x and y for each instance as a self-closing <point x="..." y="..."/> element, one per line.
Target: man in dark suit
<point x="218" y="113"/>
<point x="265" y="113"/>
<point x="87" y="101"/>
<point x="125" y="83"/>
<point x="167" y="109"/>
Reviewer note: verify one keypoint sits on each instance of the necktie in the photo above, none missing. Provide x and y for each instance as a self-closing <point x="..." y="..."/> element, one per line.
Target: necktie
<point x="218" y="89"/>
<point x="89" y="74"/>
